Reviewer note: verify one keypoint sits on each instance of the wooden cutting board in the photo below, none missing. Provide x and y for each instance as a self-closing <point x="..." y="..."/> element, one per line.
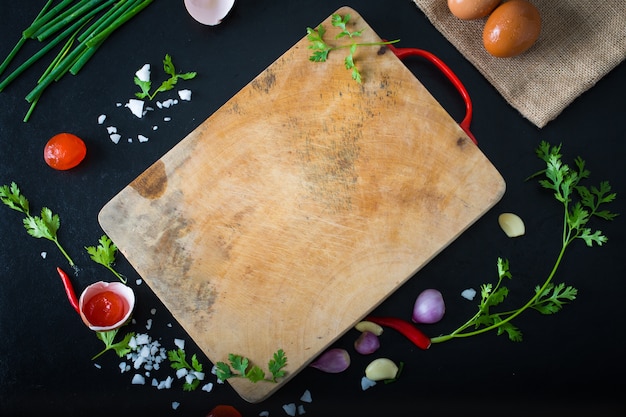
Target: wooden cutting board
<point x="300" y="205"/>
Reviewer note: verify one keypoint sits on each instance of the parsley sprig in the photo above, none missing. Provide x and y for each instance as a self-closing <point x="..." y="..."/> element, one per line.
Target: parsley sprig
<point x="321" y="48"/>
<point x="121" y="348"/>
<point x="168" y="67"/>
<point x="45" y="226"/>
<point x="580" y="204"/>
<point x="104" y="254"/>
<point x="241" y="368"/>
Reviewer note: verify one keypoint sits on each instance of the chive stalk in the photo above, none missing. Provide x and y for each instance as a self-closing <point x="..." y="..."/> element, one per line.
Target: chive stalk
<point x="22" y="40"/>
<point x="32" y="29"/>
<point x="65" y="18"/>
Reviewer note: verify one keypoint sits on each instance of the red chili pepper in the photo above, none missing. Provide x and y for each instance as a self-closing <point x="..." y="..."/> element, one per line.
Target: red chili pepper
<point x="69" y="289"/>
<point x="406" y="328"/>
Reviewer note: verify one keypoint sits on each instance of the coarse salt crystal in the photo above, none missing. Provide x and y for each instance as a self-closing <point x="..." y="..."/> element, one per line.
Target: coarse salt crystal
<point x="97" y="365"/>
<point x="264" y="414"/>
<point x="207" y="387"/>
<point x="184" y="95"/>
<point x="175" y="405"/>
<point x="44" y="254"/>
<point x="138" y="380"/>
<point x="181" y="373"/>
<point x="153" y="311"/>
<point x="306" y="397"/>
<point x="167" y="119"/>
<point x="301" y="410"/>
<point x="290" y="409"/>
<point x="144" y="73"/>
<point x="115" y="138"/>
<point x="148" y="324"/>
<point x="111" y="129"/>
<point x="180" y="343"/>
<point x="102" y="118"/>
<point x="142" y="138"/>
<point x="136" y="107"/>
<point x="118" y="104"/>
<point x="138" y="282"/>
<point x="155" y="127"/>
<point x="468" y="294"/>
<point x="367" y="383"/>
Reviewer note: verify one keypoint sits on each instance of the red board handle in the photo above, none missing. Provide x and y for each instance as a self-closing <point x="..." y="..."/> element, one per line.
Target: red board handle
<point x="406" y="52"/>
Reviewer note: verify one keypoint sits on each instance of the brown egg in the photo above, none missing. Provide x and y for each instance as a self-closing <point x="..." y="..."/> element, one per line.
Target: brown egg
<point x="512" y="28"/>
<point x="471" y="9"/>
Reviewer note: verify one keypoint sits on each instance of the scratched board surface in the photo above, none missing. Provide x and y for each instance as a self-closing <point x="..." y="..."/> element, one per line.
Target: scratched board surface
<point x="300" y="205"/>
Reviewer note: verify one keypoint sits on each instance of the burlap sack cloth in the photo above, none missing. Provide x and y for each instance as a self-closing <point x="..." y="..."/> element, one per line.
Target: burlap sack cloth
<point x="580" y="42"/>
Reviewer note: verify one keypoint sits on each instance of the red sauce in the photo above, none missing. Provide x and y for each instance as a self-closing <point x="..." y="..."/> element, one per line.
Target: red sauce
<point x="104" y="309"/>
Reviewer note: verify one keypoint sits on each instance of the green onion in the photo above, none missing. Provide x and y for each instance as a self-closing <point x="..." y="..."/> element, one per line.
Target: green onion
<point x="22" y="41"/>
<point x="65" y="18"/>
<point x="30" y="31"/>
<point x="47" y="47"/>
<point x="127" y="16"/>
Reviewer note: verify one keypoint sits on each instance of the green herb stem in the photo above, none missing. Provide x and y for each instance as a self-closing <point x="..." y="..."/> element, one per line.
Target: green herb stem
<point x="65" y="18"/>
<point x="51" y="44"/>
<point x="45" y="18"/>
<point x="102" y="35"/>
<point x="21" y="41"/>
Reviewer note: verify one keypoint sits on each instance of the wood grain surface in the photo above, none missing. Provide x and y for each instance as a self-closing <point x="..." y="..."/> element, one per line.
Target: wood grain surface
<point x="300" y="205"/>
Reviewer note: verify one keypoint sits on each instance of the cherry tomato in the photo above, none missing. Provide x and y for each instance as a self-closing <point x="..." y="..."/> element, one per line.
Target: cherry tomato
<point x="64" y="151"/>
<point x="224" y="411"/>
<point x="104" y="309"/>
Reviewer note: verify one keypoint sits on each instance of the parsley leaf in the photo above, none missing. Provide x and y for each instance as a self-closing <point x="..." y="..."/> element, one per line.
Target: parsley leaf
<point x="168" y="67"/>
<point x="241" y="368"/>
<point x="579" y="204"/>
<point x="104" y="254"/>
<point x="45" y="226"/>
<point x="321" y="49"/>
<point x="121" y="348"/>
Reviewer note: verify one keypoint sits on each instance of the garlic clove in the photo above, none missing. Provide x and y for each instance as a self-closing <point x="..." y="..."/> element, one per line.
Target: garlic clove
<point x="511" y="224"/>
<point x="368" y="326"/>
<point x="380" y="369"/>
<point x="105" y="306"/>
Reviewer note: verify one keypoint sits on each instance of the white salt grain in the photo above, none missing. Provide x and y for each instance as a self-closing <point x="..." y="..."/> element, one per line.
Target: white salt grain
<point x="111" y="129"/>
<point x="102" y="118"/>
<point x="138" y="380"/>
<point x="290" y="409"/>
<point x="142" y="138"/>
<point x="153" y="311"/>
<point x="306" y="397"/>
<point x="181" y="373"/>
<point x="155" y="127"/>
<point x="208" y="387"/>
<point x="367" y="383"/>
<point x="264" y="414"/>
<point x="136" y="107"/>
<point x="175" y="405"/>
<point x="138" y="282"/>
<point x="167" y="119"/>
<point x="180" y="343"/>
<point x="144" y="73"/>
<point x="184" y="95"/>
<point x="97" y="365"/>
<point x="301" y="410"/>
<point x="468" y="294"/>
<point x="44" y="254"/>
<point x="148" y="324"/>
<point x="115" y="138"/>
